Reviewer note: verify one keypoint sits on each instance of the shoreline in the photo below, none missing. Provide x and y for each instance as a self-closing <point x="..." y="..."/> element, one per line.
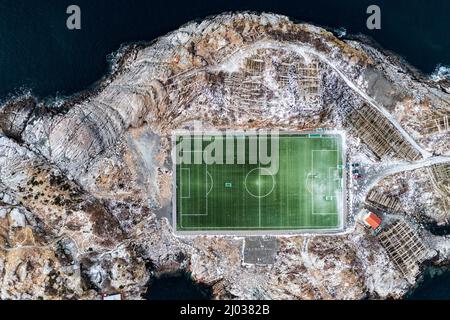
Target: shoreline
<point x="118" y="58"/>
<point x="116" y="62"/>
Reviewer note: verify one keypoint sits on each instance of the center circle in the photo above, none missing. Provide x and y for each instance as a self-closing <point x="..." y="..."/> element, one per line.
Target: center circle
<point x="259" y="182"/>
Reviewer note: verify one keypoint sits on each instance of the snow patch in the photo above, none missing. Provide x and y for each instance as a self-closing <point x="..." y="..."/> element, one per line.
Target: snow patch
<point x="340" y="32"/>
<point x="18" y="218"/>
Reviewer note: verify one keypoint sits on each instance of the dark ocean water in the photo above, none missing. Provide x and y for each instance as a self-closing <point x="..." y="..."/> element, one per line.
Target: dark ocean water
<point x="177" y="287"/>
<point x="38" y="52"/>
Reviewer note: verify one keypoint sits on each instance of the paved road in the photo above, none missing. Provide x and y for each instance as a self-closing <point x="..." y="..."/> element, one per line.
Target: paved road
<point x="373" y="180"/>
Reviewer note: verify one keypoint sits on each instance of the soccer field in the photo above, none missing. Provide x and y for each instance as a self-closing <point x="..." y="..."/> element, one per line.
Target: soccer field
<point x="305" y="193"/>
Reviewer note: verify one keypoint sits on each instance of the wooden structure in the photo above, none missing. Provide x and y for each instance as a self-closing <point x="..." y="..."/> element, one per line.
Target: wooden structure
<point x="380" y="134"/>
<point x="404" y="247"/>
<point x="383" y="202"/>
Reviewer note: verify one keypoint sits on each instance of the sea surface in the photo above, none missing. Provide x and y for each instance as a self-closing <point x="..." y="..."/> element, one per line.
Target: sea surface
<point x="178" y="286"/>
<point x="434" y="284"/>
<point x="39" y="54"/>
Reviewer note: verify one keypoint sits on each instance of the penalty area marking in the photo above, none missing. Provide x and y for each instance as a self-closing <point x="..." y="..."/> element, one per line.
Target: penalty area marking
<point x="207" y="174"/>
<point x="328" y="183"/>
<point x="189" y="184"/>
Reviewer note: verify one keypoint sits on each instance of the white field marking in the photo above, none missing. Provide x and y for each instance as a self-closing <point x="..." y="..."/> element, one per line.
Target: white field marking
<point x="332" y="174"/>
<point x="336" y="176"/>
<point x="259" y="197"/>
<point x="287" y="228"/>
<point x="189" y="183"/>
<point x="212" y="182"/>
<point x="206" y="197"/>
<point x="259" y="193"/>
<point x="328" y="182"/>
<point x="259" y="184"/>
<point x="308" y="51"/>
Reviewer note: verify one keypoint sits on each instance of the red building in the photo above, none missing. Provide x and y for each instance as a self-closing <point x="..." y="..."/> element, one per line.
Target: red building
<point x="372" y="220"/>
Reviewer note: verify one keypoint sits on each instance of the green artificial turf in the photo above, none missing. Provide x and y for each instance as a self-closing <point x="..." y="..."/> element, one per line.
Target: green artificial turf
<point x="304" y="194"/>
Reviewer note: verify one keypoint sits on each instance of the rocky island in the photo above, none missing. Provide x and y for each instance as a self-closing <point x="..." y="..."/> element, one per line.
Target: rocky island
<point x="86" y="183"/>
